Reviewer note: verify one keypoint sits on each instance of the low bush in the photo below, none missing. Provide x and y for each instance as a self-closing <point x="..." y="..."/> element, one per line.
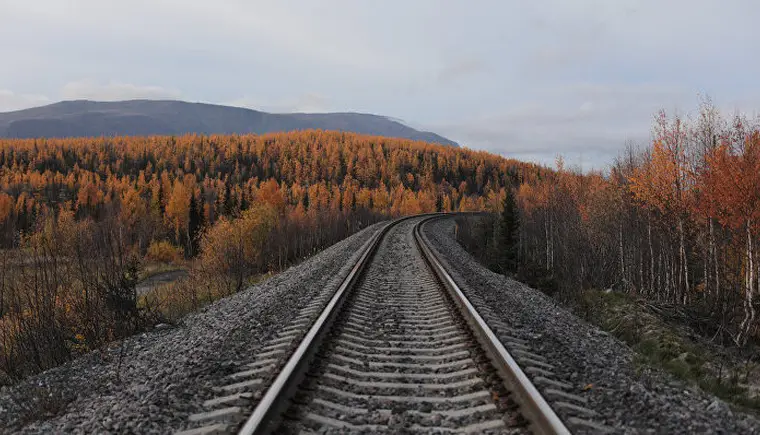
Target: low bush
<point x="162" y="251"/>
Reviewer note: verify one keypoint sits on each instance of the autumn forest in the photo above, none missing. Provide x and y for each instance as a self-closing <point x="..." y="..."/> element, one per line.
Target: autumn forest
<point x="676" y="221"/>
<point x="79" y="217"/>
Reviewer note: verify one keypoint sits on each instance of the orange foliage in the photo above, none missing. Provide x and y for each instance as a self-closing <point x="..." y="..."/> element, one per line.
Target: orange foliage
<point x="178" y="207"/>
<point x="6" y="206"/>
<point x="163" y="252"/>
<point x="733" y="184"/>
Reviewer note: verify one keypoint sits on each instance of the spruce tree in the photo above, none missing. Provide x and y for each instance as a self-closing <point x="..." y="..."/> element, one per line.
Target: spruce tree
<point x="195" y="224"/>
<point x="230" y="200"/>
<point x="509" y="225"/>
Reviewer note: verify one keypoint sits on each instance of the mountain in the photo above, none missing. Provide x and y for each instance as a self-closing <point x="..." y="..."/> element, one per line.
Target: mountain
<point x="151" y="117"/>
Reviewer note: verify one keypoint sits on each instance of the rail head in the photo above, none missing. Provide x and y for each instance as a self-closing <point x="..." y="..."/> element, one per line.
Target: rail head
<point x="541" y="416"/>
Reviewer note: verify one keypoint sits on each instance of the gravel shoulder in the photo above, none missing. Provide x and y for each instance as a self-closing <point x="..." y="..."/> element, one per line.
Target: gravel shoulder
<point x="627" y="397"/>
<point x="152" y="382"/>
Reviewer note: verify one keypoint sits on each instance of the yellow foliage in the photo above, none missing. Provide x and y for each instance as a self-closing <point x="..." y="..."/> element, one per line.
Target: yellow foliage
<point x="163" y="252"/>
<point x="178" y="207"/>
<point x="235" y="248"/>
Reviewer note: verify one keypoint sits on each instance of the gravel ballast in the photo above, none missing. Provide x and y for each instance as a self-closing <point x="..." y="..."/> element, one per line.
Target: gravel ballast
<point x="152" y="382"/>
<point x="600" y="366"/>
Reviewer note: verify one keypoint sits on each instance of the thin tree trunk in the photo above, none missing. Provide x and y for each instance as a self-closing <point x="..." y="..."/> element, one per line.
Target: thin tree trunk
<point x="668" y="286"/>
<point x="706" y="269"/>
<point x="640" y="255"/>
<point x="749" y="309"/>
<point x="684" y="262"/>
<point x="751" y="269"/>
<point x="551" y="242"/>
<point x="651" y="255"/>
<point x="621" y="251"/>
<point x="659" y="286"/>
<point x="715" y="257"/>
<point x="546" y="232"/>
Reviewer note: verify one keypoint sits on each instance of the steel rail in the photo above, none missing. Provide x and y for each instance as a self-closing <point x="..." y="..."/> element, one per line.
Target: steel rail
<point x="541" y="417"/>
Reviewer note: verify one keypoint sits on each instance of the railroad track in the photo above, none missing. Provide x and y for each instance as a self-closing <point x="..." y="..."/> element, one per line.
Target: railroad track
<point x="396" y="348"/>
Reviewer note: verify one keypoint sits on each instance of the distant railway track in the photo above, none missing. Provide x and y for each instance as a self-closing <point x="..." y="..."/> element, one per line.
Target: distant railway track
<point x="398" y="347"/>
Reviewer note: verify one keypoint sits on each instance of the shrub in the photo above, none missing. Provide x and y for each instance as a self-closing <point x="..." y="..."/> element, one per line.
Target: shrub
<point x="162" y="251"/>
<point x="233" y="250"/>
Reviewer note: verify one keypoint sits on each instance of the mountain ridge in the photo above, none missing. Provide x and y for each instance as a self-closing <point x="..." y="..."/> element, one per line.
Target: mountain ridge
<point x="76" y="118"/>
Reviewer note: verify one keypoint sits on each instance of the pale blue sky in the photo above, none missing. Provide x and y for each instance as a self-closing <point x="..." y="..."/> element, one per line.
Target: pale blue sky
<point x="523" y="79"/>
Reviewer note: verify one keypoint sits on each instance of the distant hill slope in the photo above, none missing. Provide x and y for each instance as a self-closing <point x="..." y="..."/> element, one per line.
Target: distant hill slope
<point x="147" y="117"/>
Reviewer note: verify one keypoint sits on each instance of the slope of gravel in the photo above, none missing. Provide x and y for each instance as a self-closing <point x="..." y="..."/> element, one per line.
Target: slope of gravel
<point x="155" y="380"/>
<point x="646" y="402"/>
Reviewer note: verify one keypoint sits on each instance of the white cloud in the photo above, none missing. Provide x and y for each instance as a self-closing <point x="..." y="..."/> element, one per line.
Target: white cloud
<point x="309" y="102"/>
<point x="115" y="91"/>
<point x="11" y="101"/>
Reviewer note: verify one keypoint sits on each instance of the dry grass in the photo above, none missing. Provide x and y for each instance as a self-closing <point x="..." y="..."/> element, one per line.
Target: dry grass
<point x="150" y="269"/>
<point x="171" y="301"/>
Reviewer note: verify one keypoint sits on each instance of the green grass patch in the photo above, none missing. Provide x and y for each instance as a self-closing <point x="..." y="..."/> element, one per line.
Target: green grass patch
<point x="658" y="343"/>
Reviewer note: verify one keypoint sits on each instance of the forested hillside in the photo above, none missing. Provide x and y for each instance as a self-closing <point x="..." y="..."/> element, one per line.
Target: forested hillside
<point x="79" y="217"/>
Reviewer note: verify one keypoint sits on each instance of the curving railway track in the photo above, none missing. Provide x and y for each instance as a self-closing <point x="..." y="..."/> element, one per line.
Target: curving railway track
<point x="397" y="347"/>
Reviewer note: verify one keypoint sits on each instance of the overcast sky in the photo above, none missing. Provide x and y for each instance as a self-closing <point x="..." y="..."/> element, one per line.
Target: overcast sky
<point x="524" y="79"/>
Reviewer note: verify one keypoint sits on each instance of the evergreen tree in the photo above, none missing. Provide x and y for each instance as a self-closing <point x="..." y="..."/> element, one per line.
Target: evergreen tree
<point x="244" y="204"/>
<point x="230" y="199"/>
<point x="195" y="224"/>
<point x="507" y="234"/>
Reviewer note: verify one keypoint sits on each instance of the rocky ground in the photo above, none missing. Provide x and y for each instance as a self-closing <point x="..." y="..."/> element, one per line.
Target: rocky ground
<point x="627" y="398"/>
<point x="152" y="382"/>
